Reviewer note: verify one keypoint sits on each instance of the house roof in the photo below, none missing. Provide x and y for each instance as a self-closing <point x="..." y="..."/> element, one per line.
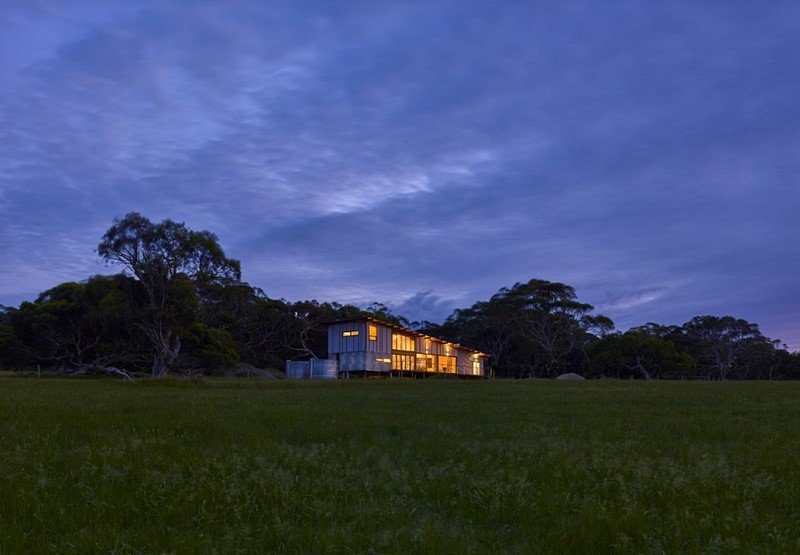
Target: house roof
<point x="403" y="330"/>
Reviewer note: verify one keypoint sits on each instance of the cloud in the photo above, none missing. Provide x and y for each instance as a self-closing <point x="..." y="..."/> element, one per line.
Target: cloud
<point x="420" y="154"/>
<point x="424" y="305"/>
<point x="622" y="300"/>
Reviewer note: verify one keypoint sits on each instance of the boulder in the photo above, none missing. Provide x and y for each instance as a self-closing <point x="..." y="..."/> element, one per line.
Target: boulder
<point x="245" y="370"/>
<point x="570" y="376"/>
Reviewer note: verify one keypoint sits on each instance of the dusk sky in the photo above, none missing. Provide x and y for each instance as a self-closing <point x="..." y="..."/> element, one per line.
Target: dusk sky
<point x="420" y="154"/>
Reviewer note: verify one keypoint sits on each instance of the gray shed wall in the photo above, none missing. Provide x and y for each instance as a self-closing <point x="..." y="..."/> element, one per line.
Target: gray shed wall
<point x="364" y="362"/>
<point x="317" y="369"/>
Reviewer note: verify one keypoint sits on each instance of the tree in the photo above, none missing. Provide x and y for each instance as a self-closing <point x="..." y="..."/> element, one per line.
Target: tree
<point x="638" y="354"/>
<point x="209" y="348"/>
<point x="761" y="360"/>
<point x="265" y="328"/>
<point x="720" y="344"/>
<point x="551" y="318"/>
<point x="788" y="365"/>
<point x="486" y="326"/>
<point x="7" y="338"/>
<point x="380" y="311"/>
<point x="170" y="262"/>
<point x="309" y="335"/>
<point x="76" y="324"/>
<point x="531" y="329"/>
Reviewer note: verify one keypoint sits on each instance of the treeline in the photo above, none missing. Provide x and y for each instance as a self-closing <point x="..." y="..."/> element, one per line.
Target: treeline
<point x="105" y="320"/>
<point x="179" y="306"/>
<point x="540" y="329"/>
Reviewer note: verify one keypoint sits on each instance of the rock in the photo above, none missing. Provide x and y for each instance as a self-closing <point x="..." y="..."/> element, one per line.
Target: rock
<point x="245" y="370"/>
<point x="570" y="376"/>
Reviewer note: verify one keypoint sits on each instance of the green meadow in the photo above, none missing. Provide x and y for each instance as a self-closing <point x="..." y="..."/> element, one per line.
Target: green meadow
<point x="398" y="466"/>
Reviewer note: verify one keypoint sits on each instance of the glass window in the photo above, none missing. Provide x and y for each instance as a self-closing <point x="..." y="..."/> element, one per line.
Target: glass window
<point x="349" y="333"/>
<point x="402" y="342"/>
<point x="403" y="362"/>
<point x="373" y="332"/>
<point x="447" y="364"/>
<point x="426" y="363"/>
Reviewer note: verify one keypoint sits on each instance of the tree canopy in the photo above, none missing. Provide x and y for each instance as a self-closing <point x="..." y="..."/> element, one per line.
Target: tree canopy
<point x="171" y="265"/>
<point x="179" y="306"/>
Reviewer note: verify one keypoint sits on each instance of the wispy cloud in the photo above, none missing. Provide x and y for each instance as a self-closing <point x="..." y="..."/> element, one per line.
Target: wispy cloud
<point x="420" y="154"/>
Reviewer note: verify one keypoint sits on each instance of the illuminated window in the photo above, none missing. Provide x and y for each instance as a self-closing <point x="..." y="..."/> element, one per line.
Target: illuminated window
<point x="426" y="363"/>
<point x="447" y="364"/>
<point x="403" y="362"/>
<point x="448" y="349"/>
<point x="383" y="360"/>
<point x="427" y="345"/>
<point x="349" y="333"/>
<point x="373" y="332"/>
<point x="476" y="365"/>
<point x="402" y="342"/>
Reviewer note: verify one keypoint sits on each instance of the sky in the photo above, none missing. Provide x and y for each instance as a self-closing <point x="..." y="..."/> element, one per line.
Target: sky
<point x="419" y="154"/>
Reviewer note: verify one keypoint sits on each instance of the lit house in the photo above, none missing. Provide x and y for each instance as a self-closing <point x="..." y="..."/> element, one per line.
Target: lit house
<point x="364" y="345"/>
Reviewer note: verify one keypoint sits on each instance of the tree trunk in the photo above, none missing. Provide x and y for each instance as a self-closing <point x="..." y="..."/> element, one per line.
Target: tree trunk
<point x="159" y="365"/>
<point x="169" y="347"/>
<point x="85" y="369"/>
<point x="642" y="370"/>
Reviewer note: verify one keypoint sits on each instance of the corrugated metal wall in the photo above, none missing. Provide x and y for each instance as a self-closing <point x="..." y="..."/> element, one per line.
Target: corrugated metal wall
<point x="364" y="362"/>
<point x="384" y="342"/>
<point x="340" y="344"/>
<point x="317" y="369"/>
<point x="464" y="363"/>
<point x="433" y="347"/>
<point x="358" y="353"/>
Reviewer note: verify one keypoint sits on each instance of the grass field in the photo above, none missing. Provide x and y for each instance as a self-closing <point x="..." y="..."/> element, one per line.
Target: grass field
<point x="387" y="466"/>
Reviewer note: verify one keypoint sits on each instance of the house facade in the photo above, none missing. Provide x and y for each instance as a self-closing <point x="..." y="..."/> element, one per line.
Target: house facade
<point x="363" y="346"/>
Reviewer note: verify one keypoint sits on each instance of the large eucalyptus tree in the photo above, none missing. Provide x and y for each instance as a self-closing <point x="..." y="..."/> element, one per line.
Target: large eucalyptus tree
<point x="171" y="263"/>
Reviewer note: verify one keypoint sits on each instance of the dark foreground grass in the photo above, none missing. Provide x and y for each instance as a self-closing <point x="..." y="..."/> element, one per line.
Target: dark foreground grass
<point x="387" y="466"/>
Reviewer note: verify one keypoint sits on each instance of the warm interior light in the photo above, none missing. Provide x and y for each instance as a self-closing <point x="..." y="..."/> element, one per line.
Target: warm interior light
<point x="425" y="363"/>
<point x="373" y="332"/>
<point x="402" y="362"/>
<point x="402" y="342"/>
<point x="476" y="364"/>
<point x="349" y="333"/>
<point x="447" y="364"/>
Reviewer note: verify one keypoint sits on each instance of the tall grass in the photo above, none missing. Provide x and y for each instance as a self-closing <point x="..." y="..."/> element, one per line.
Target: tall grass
<point x="387" y="466"/>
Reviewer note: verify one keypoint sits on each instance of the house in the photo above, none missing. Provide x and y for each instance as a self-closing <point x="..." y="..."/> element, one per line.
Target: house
<point x="365" y="346"/>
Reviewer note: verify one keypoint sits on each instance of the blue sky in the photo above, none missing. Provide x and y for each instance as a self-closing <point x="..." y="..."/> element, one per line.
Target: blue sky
<point x="421" y="154"/>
